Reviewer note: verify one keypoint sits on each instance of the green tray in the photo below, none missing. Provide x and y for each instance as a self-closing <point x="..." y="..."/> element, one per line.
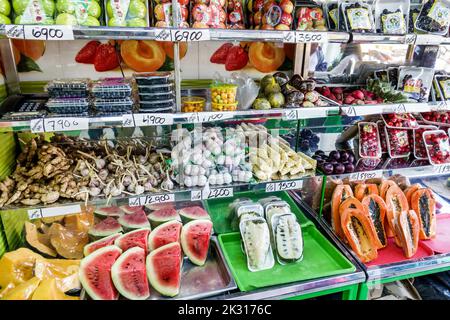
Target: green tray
<point x="320" y="259"/>
<point x="224" y="219"/>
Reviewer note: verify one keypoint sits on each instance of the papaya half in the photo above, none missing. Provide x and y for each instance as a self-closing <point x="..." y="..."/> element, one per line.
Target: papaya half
<point x="409" y="192"/>
<point x="350" y="203"/>
<point x="375" y="208"/>
<point x="407" y="230"/>
<point x="340" y="194"/>
<point x="396" y="203"/>
<point x="360" y="234"/>
<point x="423" y="203"/>
<point x="362" y="190"/>
<point x="384" y="186"/>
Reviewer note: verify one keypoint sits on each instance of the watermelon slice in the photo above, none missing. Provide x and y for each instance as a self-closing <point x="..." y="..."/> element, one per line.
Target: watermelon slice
<point x="163" y="234"/>
<point x="193" y="213"/>
<point x="164" y="269"/>
<point x="95" y="273"/>
<point x="195" y="237"/>
<point x="137" y="220"/>
<point x="163" y="215"/>
<point x="108" y="212"/>
<point x="136" y="238"/>
<point x="128" y="209"/>
<point x="157" y="206"/>
<point x="105" y="228"/>
<point x="130" y="276"/>
<point x="103" y="242"/>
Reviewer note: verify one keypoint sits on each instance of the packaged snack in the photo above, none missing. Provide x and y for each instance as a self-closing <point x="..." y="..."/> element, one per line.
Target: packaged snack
<point x="68" y="88"/>
<point x="398" y="143"/>
<point x="270" y="15"/>
<point x="126" y="13"/>
<point x="192" y="104"/>
<point x="223" y="93"/>
<point x="235" y="14"/>
<point x="382" y="133"/>
<point x="68" y="105"/>
<point x="391" y="17"/>
<point x="332" y="14"/>
<point x="111" y="88"/>
<point x="152" y="78"/>
<point x="209" y="14"/>
<point x="33" y="12"/>
<point x="438" y="146"/>
<point x="369" y="140"/>
<point x="420" y="150"/>
<point x="415" y="82"/>
<point x="358" y="16"/>
<point x="78" y="12"/>
<point x="443" y="86"/>
<point x="434" y="17"/>
<point x="402" y="121"/>
<point x="309" y="16"/>
<point x="162" y="10"/>
<point x="113" y="105"/>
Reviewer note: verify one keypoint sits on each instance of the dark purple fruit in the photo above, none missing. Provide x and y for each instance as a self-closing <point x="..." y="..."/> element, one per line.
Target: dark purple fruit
<point x="351" y="158"/>
<point x="339" y="168"/>
<point x="319" y="152"/>
<point x="328" y="168"/>
<point x="333" y="161"/>
<point x="320" y="162"/>
<point x="349" y="167"/>
<point x="344" y="155"/>
<point x="334" y="155"/>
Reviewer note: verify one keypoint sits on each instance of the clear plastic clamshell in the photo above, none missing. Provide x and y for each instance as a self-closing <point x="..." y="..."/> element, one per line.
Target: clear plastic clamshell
<point x="113" y="105"/>
<point x="159" y="88"/>
<point x="249" y="210"/>
<point x="152" y="78"/>
<point x="111" y="88"/>
<point x="68" y="105"/>
<point x="68" y="88"/>
<point x="287" y="237"/>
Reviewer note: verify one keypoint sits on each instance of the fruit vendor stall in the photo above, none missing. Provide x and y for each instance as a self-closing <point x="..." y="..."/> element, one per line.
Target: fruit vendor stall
<point x="258" y="149"/>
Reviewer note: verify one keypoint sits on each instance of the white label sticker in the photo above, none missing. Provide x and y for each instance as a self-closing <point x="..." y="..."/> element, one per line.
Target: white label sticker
<point x="186" y="35"/>
<point x="53" y="212"/>
<point x="349" y="111"/>
<point x="58" y="124"/>
<point x="410" y="39"/>
<point x="147" y="119"/>
<point x="289" y="37"/>
<point x="443" y="168"/>
<point x="359" y="176"/>
<point x="201" y="117"/>
<point x="148" y="199"/>
<point x="305" y="113"/>
<point x="309" y="37"/>
<point x="32" y="32"/>
<point x="217" y="193"/>
<point x="284" y="185"/>
<point x="290" y="114"/>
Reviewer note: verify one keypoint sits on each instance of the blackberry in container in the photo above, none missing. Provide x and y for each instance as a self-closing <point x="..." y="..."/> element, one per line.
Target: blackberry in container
<point x="358" y="16"/>
<point x="152" y="78"/>
<point x="392" y="17"/>
<point x="434" y="17"/>
<point x="68" y="105"/>
<point x="111" y="88"/>
<point x="68" y="88"/>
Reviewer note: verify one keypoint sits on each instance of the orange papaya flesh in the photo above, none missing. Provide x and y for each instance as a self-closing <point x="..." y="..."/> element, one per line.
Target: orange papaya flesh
<point x="409" y="192"/>
<point x="362" y="190"/>
<point x="360" y="234"/>
<point x="384" y="187"/>
<point x="395" y="203"/>
<point x="350" y="203"/>
<point x="375" y="208"/>
<point x="424" y="204"/>
<point x="340" y="194"/>
<point x="407" y="229"/>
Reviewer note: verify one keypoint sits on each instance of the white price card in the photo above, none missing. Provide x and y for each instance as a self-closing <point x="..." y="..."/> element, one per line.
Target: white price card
<point x="203" y="117"/>
<point x="33" y="32"/>
<point x="284" y="185"/>
<point x="147" y="119"/>
<point x="185" y="35"/>
<point x="394" y="108"/>
<point x="58" y="124"/>
<point x="359" y="176"/>
<point x="289" y="37"/>
<point x="215" y="193"/>
<point x="310" y="37"/>
<point x="149" y="199"/>
<point x="423" y="39"/>
<point x="53" y="211"/>
<point x="290" y="114"/>
<point x="305" y="113"/>
<point x="410" y="39"/>
<point x="442" y="168"/>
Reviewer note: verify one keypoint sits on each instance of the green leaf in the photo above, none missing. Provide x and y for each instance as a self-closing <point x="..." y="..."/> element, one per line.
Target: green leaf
<point x="27" y="64"/>
<point x="167" y="66"/>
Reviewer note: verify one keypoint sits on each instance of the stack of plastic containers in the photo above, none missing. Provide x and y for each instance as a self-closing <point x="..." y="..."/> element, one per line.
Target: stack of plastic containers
<point x="68" y="97"/>
<point x="156" y="92"/>
<point x="112" y="96"/>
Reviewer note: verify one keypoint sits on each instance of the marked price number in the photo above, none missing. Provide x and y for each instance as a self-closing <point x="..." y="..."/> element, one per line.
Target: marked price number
<point x="142" y="201"/>
<point x="201" y="117"/>
<point x="184" y="35"/>
<point x="309" y="37"/>
<point x="147" y="119"/>
<point x="53" y="212"/>
<point x="31" y="32"/>
<point x="285" y="185"/>
<point x="359" y="176"/>
<point x="219" y="193"/>
<point x="58" y="124"/>
<point x="443" y="168"/>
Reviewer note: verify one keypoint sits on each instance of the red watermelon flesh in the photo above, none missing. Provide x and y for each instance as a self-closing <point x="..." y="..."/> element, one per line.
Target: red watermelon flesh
<point x="135" y="238"/>
<point x="194" y="212"/>
<point x="157" y="206"/>
<point x="195" y="237"/>
<point x="95" y="273"/>
<point x="164" y="269"/>
<point x="103" y="242"/>
<point x="136" y="220"/>
<point x="109" y="211"/>
<point x="105" y="228"/>
<point x="129" y="274"/>
<point x="163" y="234"/>
<point x="129" y="209"/>
<point x="163" y="215"/>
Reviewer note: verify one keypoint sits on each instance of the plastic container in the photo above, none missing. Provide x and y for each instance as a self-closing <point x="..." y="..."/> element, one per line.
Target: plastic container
<point x="443" y="86"/>
<point x="434" y="17"/>
<point x="152" y="78"/>
<point x="274" y="206"/>
<point x="78" y="12"/>
<point x="208" y="14"/>
<point x="392" y="17"/>
<point x="310" y="16"/>
<point x="156" y="96"/>
<point x="393" y="76"/>
<point x="420" y="150"/>
<point x="358" y="16"/>
<point x="157" y="104"/>
<point x="369" y="140"/>
<point x="163" y="13"/>
<point x="382" y="133"/>
<point x="413" y="14"/>
<point x="397" y="142"/>
<point x="438" y="146"/>
<point x="33" y="12"/>
<point x="157" y="88"/>
<point x="68" y="105"/>
<point x="156" y="110"/>
<point x="272" y="15"/>
<point x="332" y="13"/>
<point x="25" y="115"/>
<point x="68" y="88"/>
<point x="223" y="93"/>
<point x="236" y="14"/>
<point x="111" y="88"/>
<point x="224" y="107"/>
<point x="286" y="218"/>
<point x="113" y="105"/>
<point x="437" y="118"/>
<point x="400" y="121"/>
<point x="248" y="209"/>
<point x="126" y="13"/>
<point x="193" y="104"/>
<point x="415" y="82"/>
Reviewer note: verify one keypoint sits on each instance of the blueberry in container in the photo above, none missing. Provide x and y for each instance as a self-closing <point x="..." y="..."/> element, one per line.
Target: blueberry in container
<point x="156" y="96"/>
<point x="109" y="88"/>
<point x="68" y="105"/>
<point x="170" y="103"/>
<point x="113" y="105"/>
<point x="156" y="110"/>
<point x="64" y="115"/>
<point x="158" y="88"/>
<point x="70" y="88"/>
<point x="152" y="78"/>
<point x="434" y="17"/>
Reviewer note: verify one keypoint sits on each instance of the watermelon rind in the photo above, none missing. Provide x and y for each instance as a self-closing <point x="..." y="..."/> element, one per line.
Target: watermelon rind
<point x="116" y="273"/>
<point x="96" y="233"/>
<point x="159" y="229"/>
<point x="128" y="224"/>
<point x="185" y="240"/>
<point x="123" y="237"/>
<point x="152" y="273"/>
<point x="193" y="213"/>
<point x="105" y="212"/>
<point x="85" y="282"/>
<point x="129" y="209"/>
<point x="156" y="220"/>
<point x="109" y="240"/>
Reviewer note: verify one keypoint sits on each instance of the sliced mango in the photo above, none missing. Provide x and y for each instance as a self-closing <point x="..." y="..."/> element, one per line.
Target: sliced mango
<point x="23" y="291"/>
<point x="49" y="290"/>
<point x="17" y="266"/>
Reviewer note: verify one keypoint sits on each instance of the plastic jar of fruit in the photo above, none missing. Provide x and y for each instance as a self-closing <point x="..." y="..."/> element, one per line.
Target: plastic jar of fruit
<point x="192" y="104"/>
<point x="223" y="93"/>
<point x="224" y="106"/>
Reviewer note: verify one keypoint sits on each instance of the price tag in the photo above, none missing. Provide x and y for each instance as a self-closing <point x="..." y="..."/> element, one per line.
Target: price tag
<point x="289" y="37"/>
<point x="395" y="108"/>
<point x="217" y="193"/>
<point x="359" y="176"/>
<point x="349" y="111"/>
<point x="201" y="117"/>
<point x="53" y="212"/>
<point x="58" y="124"/>
<point x="196" y="195"/>
<point x="310" y="37"/>
<point x="410" y="39"/>
<point x="443" y="168"/>
<point x="32" y="32"/>
<point x="428" y="39"/>
<point x="149" y="199"/>
<point x="290" y="114"/>
<point x="147" y="119"/>
<point x="185" y="35"/>
<point x="284" y="185"/>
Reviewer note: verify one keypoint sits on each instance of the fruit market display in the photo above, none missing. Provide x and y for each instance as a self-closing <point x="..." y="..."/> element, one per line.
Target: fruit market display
<point x="132" y="13"/>
<point x="75" y="12"/>
<point x="336" y="162"/>
<point x="130" y="255"/>
<point x="366" y="214"/>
